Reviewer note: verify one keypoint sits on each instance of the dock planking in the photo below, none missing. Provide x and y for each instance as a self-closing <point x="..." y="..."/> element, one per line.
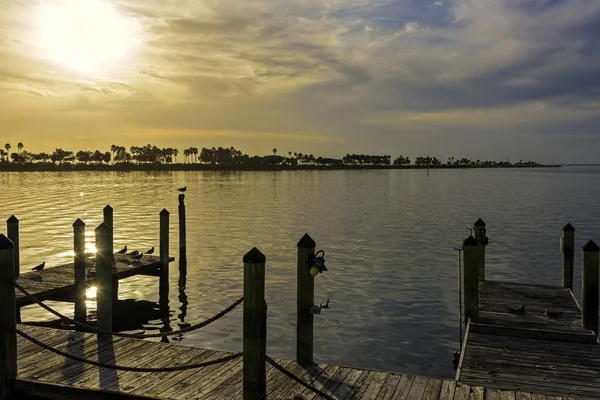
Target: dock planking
<point x="62" y="377"/>
<point x="530" y="352"/>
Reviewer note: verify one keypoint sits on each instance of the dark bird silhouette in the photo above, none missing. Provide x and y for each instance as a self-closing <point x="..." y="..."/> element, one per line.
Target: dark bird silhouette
<point x="552" y="314"/>
<point x="40" y="267"/>
<point x="133" y="253"/>
<point x="183" y="189"/>
<point x="123" y="250"/>
<point x="326" y="304"/>
<point x="517" y="310"/>
<point x="150" y="251"/>
<point x="138" y="256"/>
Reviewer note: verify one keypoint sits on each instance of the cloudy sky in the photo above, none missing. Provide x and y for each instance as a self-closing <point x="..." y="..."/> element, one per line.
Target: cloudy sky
<point x="477" y="78"/>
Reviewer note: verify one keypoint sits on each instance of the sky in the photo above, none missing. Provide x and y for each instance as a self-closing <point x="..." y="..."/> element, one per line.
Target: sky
<point x="483" y="79"/>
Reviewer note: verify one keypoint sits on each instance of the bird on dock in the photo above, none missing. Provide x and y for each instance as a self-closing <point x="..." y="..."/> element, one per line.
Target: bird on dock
<point x="150" y="251"/>
<point x="183" y="189"/>
<point x="138" y="256"/>
<point x="40" y="267"/>
<point x="133" y="253"/>
<point x="123" y="250"/>
<point x="326" y="304"/>
<point x="517" y="310"/>
<point x="552" y="314"/>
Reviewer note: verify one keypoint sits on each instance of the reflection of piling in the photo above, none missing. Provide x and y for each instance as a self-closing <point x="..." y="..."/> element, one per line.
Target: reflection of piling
<point x="8" y="315"/>
<point x="79" y="269"/>
<point x="305" y="299"/>
<point x="104" y="260"/>
<point x="164" y="257"/>
<point x="182" y="231"/>
<point x="567" y="246"/>
<point x="589" y="290"/>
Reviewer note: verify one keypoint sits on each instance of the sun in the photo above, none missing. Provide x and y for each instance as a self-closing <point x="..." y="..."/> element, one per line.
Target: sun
<point x="88" y="36"/>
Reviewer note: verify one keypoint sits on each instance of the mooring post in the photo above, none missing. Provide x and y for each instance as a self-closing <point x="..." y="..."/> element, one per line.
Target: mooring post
<point x="589" y="286"/>
<point x="472" y="254"/>
<point x="104" y="294"/>
<point x="567" y="246"/>
<point x="481" y="236"/>
<point x="12" y="231"/>
<point x="8" y="315"/>
<point x="305" y="299"/>
<point x="255" y="326"/>
<point x="182" y="233"/>
<point x="108" y="220"/>
<point x="164" y="256"/>
<point x="79" y="269"/>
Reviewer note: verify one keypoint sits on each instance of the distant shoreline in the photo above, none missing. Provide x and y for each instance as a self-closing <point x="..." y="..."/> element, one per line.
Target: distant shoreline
<point x="218" y="167"/>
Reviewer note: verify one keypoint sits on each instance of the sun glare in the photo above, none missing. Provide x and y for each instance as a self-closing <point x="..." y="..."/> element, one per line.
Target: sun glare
<point x="88" y="36"/>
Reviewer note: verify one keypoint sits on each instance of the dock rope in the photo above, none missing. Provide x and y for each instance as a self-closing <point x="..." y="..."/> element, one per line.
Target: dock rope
<point x="125" y="368"/>
<point x="129" y="335"/>
<point x="300" y="381"/>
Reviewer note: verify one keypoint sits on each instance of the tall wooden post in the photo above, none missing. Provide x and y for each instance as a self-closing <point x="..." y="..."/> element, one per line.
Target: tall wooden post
<point x="8" y="315"/>
<point x="108" y="220"/>
<point x="472" y="259"/>
<point x="255" y="326"/>
<point x="182" y="230"/>
<point x="79" y="269"/>
<point x="567" y="246"/>
<point x="12" y="231"/>
<point x="104" y="294"/>
<point x="589" y="283"/>
<point x="481" y="236"/>
<point x="164" y="257"/>
<point x="305" y="299"/>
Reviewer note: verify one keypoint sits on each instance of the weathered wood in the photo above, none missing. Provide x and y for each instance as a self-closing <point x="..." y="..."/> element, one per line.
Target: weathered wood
<point x="79" y="270"/>
<point x="182" y="230"/>
<point x="305" y="298"/>
<point x="472" y="252"/>
<point x="164" y="257"/>
<point x="567" y="246"/>
<point x="104" y="296"/>
<point x="8" y="316"/>
<point x="589" y="290"/>
<point x="480" y="234"/>
<point x="255" y="326"/>
<point x="12" y="231"/>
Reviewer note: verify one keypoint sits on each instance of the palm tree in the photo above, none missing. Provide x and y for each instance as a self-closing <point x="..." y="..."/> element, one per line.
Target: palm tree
<point x="113" y="150"/>
<point x="175" y="152"/>
<point x="289" y="154"/>
<point x="20" y="147"/>
<point x="7" y="147"/>
<point x="274" y="152"/>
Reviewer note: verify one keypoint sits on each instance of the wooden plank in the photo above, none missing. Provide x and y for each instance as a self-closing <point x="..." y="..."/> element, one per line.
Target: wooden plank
<point x="492" y="394"/>
<point x="372" y="391"/>
<point x="389" y="386"/>
<point x="462" y="392"/>
<point x="290" y="389"/>
<point x="348" y="383"/>
<point x="447" y="390"/>
<point x="418" y="387"/>
<point x="331" y="385"/>
<point x="403" y="388"/>
<point x="507" y="395"/>
<point x="433" y="389"/>
<point x="476" y="393"/>
<point x="203" y="387"/>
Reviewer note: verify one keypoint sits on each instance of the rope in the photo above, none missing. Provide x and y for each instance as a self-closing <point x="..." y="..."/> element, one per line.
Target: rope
<point x="129" y="335"/>
<point x="124" y="368"/>
<point x="300" y="381"/>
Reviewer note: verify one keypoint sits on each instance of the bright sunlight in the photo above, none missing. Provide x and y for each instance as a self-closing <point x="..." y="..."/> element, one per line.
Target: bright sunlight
<point x="86" y="35"/>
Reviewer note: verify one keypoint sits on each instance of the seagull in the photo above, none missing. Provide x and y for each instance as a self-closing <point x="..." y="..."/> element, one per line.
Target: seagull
<point x="552" y="314"/>
<point x="40" y="267"/>
<point x="133" y="253"/>
<point x="316" y="309"/>
<point x="183" y="189"/>
<point x="517" y="310"/>
<point x="138" y="256"/>
<point x="123" y="250"/>
<point x="150" y="251"/>
<point x="326" y="304"/>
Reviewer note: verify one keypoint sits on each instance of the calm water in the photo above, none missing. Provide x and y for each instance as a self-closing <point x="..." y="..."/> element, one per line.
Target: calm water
<point x="388" y="238"/>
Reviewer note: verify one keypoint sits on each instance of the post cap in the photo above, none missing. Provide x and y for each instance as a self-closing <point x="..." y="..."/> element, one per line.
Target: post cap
<point x="103" y="228"/>
<point x="78" y="222"/>
<point x="165" y="212"/>
<point x="568" y="228"/>
<point x="470" y="241"/>
<point x="12" y="220"/>
<point x="6" y="243"/>
<point x="591" y="246"/>
<point x="254" y="256"/>
<point x="181" y="198"/>
<point x="306" y="242"/>
<point x="108" y="208"/>
<point x="479" y="222"/>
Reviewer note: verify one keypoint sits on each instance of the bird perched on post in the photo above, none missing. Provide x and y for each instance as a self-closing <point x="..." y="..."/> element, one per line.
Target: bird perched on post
<point x="150" y="251"/>
<point x="123" y="250"/>
<point x="40" y="267"/>
<point x="552" y="314"/>
<point x="183" y="189"/>
<point x="138" y="256"/>
<point x="517" y="310"/>
<point x="133" y="253"/>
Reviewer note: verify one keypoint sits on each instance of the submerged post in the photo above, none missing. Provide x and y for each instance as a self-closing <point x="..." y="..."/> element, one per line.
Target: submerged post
<point x="589" y="289"/>
<point x="8" y="315"/>
<point x="567" y="246"/>
<point x="79" y="269"/>
<point x="255" y="326"/>
<point x="104" y="294"/>
<point x="164" y="256"/>
<point x="182" y="232"/>
<point x="473" y="252"/>
<point x="305" y="298"/>
<point x="12" y="231"/>
<point x="481" y="236"/>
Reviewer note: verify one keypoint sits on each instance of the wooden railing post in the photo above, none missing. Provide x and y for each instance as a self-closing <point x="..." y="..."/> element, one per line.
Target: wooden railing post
<point x="182" y="230"/>
<point x="8" y="315"/>
<point x="305" y="298"/>
<point x="104" y="294"/>
<point x="567" y="246"/>
<point x="255" y="326"/>
<point x="589" y="282"/>
<point x="472" y="259"/>
<point x="79" y="269"/>
<point x="12" y="231"/>
<point x="480" y="235"/>
<point x="164" y="256"/>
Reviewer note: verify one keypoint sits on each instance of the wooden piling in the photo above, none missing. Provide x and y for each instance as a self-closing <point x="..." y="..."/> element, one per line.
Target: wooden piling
<point x="305" y="299"/>
<point x="8" y="315"/>
<point x="589" y="290"/>
<point x="567" y="246"/>
<point x="12" y="231"/>
<point x="255" y="326"/>
<point x="79" y="269"/>
<point x="481" y="236"/>
<point x="104" y="294"/>
<point x="164" y="256"/>
<point x="108" y="220"/>
<point x="182" y="230"/>
<point x="473" y="253"/>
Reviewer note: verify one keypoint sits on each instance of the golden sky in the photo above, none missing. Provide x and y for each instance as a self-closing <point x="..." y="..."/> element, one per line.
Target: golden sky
<point x="476" y="78"/>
